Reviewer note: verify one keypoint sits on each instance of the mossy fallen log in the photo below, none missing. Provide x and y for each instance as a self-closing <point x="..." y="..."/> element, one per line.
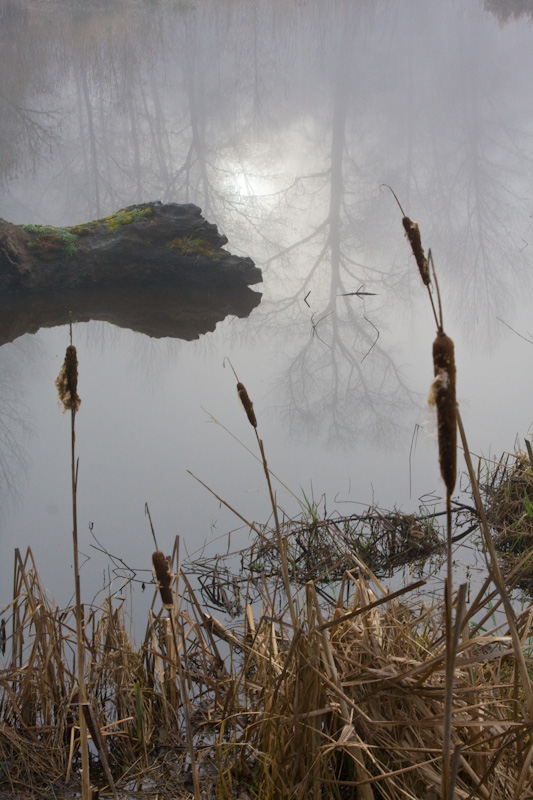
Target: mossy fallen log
<point x="152" y="243"/>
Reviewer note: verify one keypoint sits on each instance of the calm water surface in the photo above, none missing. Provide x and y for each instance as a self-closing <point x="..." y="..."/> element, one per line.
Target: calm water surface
<point x="282" y="121"/>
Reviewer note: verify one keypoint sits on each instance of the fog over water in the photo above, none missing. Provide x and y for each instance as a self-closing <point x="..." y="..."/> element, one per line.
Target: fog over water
<point x="282" y="120"/>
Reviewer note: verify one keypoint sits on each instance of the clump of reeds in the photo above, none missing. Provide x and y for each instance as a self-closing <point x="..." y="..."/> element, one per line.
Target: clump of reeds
<point x="352" y="701"/>
<point x="508" y="490"/>
<point x="355" y="702"/>
<point x="322" y="549"/>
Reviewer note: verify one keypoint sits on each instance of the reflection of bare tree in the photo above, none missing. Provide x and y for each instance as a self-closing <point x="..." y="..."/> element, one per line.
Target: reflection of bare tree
<point x="478" y="206"/>
<point x="223" y="107"/>
<point x="507" y="10"/>
<point x="462" y="167"/>
<point x="341" y="379"/>
<point x="26" y="130"/>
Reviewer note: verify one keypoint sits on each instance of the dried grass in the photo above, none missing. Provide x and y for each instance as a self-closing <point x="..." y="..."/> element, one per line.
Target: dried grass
<point x="508" y="490"/>
<point x="350" y="704"/>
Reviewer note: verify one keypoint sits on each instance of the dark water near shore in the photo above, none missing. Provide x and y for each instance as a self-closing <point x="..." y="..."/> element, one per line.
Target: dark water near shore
<point x="281" y="120"/>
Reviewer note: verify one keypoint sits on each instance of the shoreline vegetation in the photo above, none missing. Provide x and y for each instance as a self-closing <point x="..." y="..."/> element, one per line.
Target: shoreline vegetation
<point x="313" y="680"/>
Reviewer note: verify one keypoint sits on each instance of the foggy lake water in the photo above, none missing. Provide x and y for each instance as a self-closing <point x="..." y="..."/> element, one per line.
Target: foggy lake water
<point x="283" y="121"/>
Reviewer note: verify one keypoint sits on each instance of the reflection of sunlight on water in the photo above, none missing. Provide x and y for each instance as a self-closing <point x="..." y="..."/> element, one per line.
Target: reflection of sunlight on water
<point x="245" y="181"/>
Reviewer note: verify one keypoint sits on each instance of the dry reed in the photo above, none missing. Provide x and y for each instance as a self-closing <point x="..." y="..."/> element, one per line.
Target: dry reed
<point x="352" y="701"/>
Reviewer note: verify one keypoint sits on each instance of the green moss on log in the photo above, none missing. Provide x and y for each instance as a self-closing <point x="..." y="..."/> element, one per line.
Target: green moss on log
<point x="124" y="217"/>
<point x="48" y="243"/>
<point x="196" y="246"/>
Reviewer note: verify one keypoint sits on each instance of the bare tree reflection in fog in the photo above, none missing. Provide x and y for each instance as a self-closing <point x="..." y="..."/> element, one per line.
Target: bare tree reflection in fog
<point x="507" y="10"/>
<point x="27" y="131"/>
<point x="219" y="105"/>
<point x="342" y="381"/>
<point x="464" y="162"/>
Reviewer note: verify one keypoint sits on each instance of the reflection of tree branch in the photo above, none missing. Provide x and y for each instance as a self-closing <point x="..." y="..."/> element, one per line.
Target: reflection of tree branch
<point x="366" y="267"/>
<point x="529" y="341"/>
<point x="121" y="569"/>
<point x="374" y="342"/>
<point x="316" y="324"/>
<point x="299" y="243"/>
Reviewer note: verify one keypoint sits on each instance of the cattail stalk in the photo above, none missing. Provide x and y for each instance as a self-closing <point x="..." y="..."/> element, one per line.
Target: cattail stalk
<point x="164" y="578"/>
<point x="247" y="403"/>
<point x="67" y="386"/>
<point x="443" y="395"/>
<point x="250" y="413"/>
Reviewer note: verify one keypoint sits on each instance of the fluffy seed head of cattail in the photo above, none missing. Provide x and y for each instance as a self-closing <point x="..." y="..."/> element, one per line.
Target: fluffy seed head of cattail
<point x="413" y="234"/>
<point x="247" y="403"/>
<point x="443" y="396"/>
<point x="67" y="381"/>
<point x="164" y="577"/>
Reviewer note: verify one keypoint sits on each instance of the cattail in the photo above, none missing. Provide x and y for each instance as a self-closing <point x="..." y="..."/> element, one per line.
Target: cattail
<point x="164" y="577"/>
<point x="413" y="234"/>
<point x="443" y="395"/>
<point x="67" y="381"/>
<point x="247" y="403"/>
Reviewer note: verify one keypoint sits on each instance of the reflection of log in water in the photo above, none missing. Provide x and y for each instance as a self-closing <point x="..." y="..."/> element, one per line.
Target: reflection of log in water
<point x="178" y="310"/>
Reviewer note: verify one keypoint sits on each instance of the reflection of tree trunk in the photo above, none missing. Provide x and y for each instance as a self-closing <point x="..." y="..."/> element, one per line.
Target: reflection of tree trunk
<point x="158" y="133"/>
<point x="136" y="149"/>
<point x="92" y="140"/>
<point x="338" y="143"/>
<point x="197" y="151"/>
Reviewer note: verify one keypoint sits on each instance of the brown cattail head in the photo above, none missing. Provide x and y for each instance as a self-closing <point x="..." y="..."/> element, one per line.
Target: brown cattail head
<point x="443" y="395"/>
<point x="67" y="381"/>
<point x="413" y="234"/>
<point x="247" y="403"/>
<point x="164" y="577"/>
